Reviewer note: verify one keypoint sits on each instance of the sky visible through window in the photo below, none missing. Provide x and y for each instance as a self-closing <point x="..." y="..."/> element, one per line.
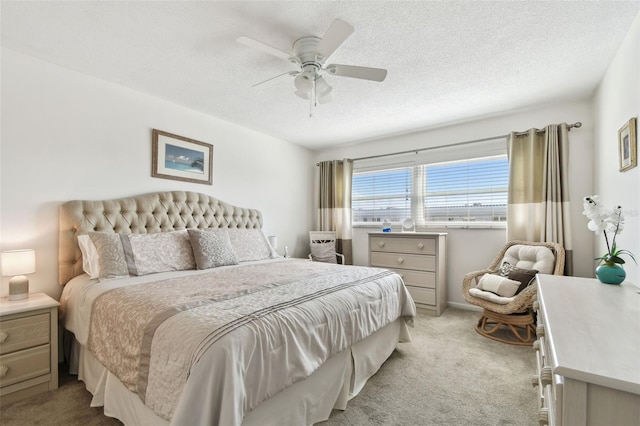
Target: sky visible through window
<point x="470" y="190"/>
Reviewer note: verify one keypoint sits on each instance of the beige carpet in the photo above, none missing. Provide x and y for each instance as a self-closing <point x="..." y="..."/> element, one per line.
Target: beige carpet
<point x="448" y="375"/>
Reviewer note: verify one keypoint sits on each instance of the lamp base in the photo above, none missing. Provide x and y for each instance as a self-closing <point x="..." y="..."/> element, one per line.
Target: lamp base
<point x="18" y="288"/>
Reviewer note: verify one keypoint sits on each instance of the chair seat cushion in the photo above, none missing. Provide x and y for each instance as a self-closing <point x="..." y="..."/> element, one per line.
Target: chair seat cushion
<point x="491" y="297"/>
<point x="502" y="286"/>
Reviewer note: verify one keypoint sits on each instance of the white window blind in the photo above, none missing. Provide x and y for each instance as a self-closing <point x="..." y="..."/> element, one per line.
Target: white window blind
<point x="459" y="192"/>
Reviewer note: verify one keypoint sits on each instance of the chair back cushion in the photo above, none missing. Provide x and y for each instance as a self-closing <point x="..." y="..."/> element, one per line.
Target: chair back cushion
<point x="521" y="256"/>
<point x="324" y="252"/>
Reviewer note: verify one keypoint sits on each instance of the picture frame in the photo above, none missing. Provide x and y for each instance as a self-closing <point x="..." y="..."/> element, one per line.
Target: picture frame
<point x="627" y="146"/>
<point x="179" y="158"/>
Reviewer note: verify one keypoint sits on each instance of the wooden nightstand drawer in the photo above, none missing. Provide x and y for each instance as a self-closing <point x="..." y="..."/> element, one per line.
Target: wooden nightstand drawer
<point x="417" y="278"/>
<point x="23" y="333"/>
<point x="425" y="296"/>
<point x="22" y="365"/>
<point x="403" y="261"/>
<point x="404" y="245"/>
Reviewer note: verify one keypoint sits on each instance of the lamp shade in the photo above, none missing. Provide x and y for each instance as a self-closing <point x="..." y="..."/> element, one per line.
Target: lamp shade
<point x="18" y="262"/>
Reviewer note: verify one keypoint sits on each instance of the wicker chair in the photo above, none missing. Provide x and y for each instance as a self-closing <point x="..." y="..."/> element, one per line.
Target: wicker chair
<point x="516" y="316"/>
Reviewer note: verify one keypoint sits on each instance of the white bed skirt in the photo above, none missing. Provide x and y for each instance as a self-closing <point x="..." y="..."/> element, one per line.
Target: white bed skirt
<point x="306" y="402"/>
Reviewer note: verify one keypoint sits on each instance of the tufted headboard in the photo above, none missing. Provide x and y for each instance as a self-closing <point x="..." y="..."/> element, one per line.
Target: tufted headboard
<point x="149" y="213"/>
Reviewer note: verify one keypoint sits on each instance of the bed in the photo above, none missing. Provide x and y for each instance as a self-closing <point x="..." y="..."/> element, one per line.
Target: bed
<point x="180" y="312"/>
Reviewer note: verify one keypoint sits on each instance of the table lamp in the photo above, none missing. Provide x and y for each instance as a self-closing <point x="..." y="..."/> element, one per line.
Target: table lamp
<point x="273" y="242"/>
<point x="16" y="264"/>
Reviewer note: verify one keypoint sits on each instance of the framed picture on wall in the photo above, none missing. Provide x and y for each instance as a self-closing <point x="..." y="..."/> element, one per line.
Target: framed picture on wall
<point x="627" y="146"/>
<point x="179" y="158"/>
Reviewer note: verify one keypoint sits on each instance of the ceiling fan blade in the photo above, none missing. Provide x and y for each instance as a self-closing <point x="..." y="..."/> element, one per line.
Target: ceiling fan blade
<point x="365" y="73"/>
<point x="335" y="36"/>
<point x="279" y="75"/>
<point x="247" y="41"/>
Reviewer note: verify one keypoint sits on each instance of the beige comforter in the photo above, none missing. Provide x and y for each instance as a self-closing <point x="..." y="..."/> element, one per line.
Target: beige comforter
<point x="270" y="326"/>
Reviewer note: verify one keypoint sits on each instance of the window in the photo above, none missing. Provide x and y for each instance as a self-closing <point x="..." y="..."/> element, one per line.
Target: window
<point x="457" y="192"/>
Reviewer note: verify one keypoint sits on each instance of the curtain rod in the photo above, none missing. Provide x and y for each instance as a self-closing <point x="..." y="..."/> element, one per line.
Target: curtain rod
<point x="570" y="126"/>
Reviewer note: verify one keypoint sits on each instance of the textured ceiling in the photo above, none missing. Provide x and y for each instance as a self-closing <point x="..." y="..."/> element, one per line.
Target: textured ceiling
<point x="447" y="61"/>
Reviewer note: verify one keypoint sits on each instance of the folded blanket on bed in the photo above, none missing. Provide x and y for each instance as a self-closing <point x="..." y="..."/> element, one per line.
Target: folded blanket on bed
<point x="269" y="325"/>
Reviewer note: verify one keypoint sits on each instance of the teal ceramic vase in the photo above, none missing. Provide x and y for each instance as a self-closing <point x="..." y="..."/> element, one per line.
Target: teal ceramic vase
<point x="610" y="274"/>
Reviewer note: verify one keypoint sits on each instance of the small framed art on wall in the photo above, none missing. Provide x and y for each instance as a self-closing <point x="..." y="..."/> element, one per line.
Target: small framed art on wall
<point x="627" y="146"/>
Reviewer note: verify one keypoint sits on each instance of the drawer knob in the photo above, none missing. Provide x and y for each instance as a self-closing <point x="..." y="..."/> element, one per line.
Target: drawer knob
<point x="3" y="370"/>
<point x="380" y="243"/>
<point x="545" y="376"/>
<point x="536" y="345"/>
<point x="400" y="260"/>
<point x="420" y="246"/>
<point x="3" y="336"/>
<point x="534" y="381"/>
<point x="535" y="306"/>
<point x="540" y="330"/>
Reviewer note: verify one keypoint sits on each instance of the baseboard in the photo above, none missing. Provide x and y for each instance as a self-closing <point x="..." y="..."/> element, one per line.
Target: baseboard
<point x="465" y="306"/>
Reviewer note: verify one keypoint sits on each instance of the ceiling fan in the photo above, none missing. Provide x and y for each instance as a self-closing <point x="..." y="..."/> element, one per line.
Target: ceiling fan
<point x="309" y="54"/>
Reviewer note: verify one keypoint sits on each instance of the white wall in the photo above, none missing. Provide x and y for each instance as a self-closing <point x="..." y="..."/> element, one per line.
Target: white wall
<point x="616" y="101"/>
<point x="69" y="136"/>
<point x="473" y="249"/>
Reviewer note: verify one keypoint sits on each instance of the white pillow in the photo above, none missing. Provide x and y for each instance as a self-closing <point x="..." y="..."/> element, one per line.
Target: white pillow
<point x="502" y="286"/>
<point x="324" y="252"/>
<point x="90" y="263"/>
<point x="492" y="297"/>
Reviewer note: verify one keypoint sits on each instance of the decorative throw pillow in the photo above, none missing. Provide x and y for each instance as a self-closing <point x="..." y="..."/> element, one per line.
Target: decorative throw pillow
<point x="250" y="244"/>
<point x="324" y="252"/>
<point x="160" y="252"/>
<point x="524" y="276"/>
<point x="111" y="257"/>
<point x="212" y="248"/>
<point x="90" y="262"/>
<point x="502" y="286"/>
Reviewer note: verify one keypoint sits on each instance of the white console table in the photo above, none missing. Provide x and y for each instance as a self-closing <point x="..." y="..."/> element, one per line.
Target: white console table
<point x="588" y="352"/>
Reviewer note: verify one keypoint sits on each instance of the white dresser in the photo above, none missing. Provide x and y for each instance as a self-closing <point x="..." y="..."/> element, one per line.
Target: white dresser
<point x="420" y="259"/>
<point x="588" y="352"/>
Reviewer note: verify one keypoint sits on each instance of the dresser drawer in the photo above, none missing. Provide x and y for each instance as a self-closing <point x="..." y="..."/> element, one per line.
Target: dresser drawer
<point x="425" y="296"/>
<point x="403" y="261"/>
<point x="22" y="365"/>
<point x="417" y="278"/>
<point x="404" y="245"/>
<point x="23" y="333"/>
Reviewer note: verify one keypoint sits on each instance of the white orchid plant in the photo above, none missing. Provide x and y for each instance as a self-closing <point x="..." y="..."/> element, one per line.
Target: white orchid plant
<point x="606" y="221"/>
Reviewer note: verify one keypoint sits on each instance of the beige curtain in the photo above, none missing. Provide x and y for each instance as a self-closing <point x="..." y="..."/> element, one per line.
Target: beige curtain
<point x="335" y="203"/>
<point x="538" y="206"/>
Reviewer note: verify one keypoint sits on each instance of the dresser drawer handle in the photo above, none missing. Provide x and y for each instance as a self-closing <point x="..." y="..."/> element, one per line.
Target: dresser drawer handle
<point x="540" y="330"/>
<point x="535" y="306"/>
<point x="3" y="370"/>
<point x="420" y="246"/>
<point x="545" y="376"/>
<point x="380" y="243"/>
<point x="3" y="336"/>
<point x="400" y="260"/>
<point x="543" y="416"/>
<point x="536" y="345"/>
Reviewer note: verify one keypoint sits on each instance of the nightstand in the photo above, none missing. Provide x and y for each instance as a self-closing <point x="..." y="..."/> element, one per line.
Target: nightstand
<point x="28" y="347"/>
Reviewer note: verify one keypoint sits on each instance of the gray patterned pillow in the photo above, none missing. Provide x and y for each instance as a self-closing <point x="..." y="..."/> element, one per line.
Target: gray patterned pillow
<point x="250" y="244"/>
<point x="212" y="248"/>
<point x="111" y="257"/>
<point x="161" y="252"/>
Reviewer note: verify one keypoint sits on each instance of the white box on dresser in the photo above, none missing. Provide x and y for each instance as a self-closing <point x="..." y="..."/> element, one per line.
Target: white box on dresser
<point x="588" y="352"/>
<point x="28" y="347"/>
<point x="420" y="259"/>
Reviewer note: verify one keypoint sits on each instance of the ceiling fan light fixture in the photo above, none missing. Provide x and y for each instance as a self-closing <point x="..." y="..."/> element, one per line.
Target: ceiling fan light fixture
<point x="303" y="95"/>
<point x="322" y="87"/>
